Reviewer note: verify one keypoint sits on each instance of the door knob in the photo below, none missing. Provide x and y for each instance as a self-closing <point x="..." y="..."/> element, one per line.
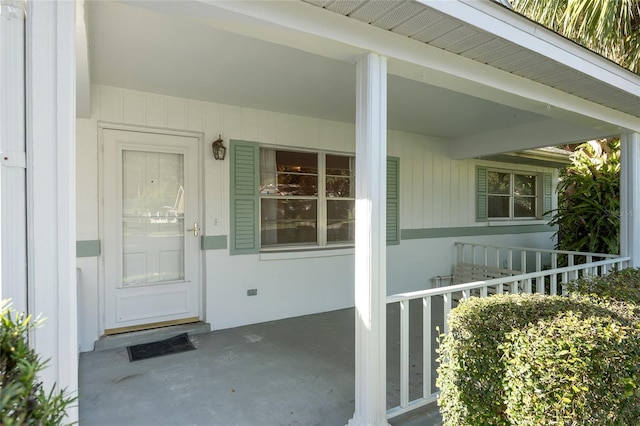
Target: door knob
<point x="195" y="229"/>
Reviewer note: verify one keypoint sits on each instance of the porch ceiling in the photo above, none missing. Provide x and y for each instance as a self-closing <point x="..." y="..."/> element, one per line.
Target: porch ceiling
<point x="420" y="21"/>
<point x="212" y="52"/>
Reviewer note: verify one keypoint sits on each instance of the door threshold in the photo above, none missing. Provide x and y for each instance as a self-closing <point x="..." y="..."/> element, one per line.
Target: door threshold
<point x="110" y="331"/>
<point x="124" y="339"/>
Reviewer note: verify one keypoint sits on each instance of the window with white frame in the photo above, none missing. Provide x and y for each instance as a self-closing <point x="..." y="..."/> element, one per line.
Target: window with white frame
<point x="512" y="195"/>
<point x="306" y="198"/>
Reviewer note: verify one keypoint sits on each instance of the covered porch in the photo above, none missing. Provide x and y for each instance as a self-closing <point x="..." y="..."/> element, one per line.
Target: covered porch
<point x="302" y="370"/>
<point x="448" y="90"/>
<point x="296" y="371"/>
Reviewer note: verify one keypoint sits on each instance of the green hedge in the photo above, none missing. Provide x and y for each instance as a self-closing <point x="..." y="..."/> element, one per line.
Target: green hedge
<point x="621" y="285"/>
<point x="534" y="359"/>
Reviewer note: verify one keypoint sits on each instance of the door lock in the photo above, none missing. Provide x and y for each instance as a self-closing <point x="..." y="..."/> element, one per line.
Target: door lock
<point x="195" y="229"/>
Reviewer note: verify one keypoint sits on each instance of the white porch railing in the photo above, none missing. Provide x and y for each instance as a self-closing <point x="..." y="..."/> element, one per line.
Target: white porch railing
<point x="546" y="276"/>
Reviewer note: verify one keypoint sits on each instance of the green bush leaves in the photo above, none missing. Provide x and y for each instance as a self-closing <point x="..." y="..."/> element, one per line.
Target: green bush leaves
<point x="535" y="359"/>
<point x="23" y="400"/>
<point x="588" y="214"/>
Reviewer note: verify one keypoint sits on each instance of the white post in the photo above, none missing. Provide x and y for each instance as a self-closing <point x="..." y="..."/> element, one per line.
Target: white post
<point x="13" y="184"/>
<point x="630" y="197"/>
<point x="50" y="123"/>
<point x="371" y="249"/>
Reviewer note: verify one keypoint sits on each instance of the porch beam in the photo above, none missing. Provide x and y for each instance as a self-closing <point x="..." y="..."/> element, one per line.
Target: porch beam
<point x="370" y="244"/>
<point x="630" y="197"/>
<point x="549" y="132"/>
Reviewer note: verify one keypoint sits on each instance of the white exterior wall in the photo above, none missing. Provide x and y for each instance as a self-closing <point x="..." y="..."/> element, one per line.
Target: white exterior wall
<point x="287" y="286"/>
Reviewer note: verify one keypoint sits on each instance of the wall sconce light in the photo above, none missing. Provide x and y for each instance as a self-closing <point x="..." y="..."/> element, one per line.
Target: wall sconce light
<point x="219" y="150"/>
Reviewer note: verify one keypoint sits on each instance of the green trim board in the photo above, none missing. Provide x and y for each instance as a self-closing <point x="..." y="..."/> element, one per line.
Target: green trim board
<point x="472" y="231"/>
<point x="213" y="242"/>
<point x="88" y="248"/>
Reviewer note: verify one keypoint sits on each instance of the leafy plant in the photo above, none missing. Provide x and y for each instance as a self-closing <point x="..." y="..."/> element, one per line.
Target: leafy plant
<point x="588" y="214"/>
<point x="623" y="285"/>
<point x="487" y="347"/>
<point x="610" y="28"/>
<point x="22" y="397"/>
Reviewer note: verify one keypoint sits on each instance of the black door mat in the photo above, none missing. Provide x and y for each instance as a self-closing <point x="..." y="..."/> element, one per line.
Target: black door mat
<point x="173" y="345"/>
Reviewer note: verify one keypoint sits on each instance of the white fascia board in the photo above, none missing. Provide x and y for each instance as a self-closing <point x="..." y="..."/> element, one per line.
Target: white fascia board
<point x="509" y="25"/>
<point x="550" y="132"/>
<point x="83" y="83"/>
<point x="306" y="27"/>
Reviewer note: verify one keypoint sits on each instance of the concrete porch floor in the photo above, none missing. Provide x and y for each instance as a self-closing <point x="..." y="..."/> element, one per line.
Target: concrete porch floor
<point x="298" y="371"/>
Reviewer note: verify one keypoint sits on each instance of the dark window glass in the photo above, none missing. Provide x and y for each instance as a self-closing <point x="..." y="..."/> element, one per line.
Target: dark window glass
<point x="286" y="221"/>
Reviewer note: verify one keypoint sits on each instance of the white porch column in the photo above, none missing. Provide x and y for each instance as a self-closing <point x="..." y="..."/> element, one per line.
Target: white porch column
<point x="13" y="213"/>
<point x="370" y="251"/>
<point x="50" y="123"/>
<point x="630" y="197"/>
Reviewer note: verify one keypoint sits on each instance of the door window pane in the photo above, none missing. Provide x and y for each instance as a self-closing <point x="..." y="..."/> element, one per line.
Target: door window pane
<point x="152" y="217"/>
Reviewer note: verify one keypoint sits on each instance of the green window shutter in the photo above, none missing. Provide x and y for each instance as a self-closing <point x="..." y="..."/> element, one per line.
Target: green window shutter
<point x="245" y="161"/>
<point x="482" y="194"/>
<point x="547" y="195"/>
<point x="393" y="201"/>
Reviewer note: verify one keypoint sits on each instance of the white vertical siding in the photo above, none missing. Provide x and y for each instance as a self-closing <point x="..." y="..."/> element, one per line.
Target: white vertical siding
<point x="435" y="192"/>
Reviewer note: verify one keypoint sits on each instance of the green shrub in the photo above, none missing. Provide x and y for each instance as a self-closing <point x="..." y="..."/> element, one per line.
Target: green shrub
<point x="588" y="213"/>
<point x="472" y="375"/>
<point x="22" y="397"/>
<point x="621" y="285"/>
<point x="573" y="369"/>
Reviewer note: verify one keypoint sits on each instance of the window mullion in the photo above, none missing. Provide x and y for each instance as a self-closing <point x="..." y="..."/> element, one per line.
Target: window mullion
<point x="512" y="195"/>
<point x="322" y="200"/>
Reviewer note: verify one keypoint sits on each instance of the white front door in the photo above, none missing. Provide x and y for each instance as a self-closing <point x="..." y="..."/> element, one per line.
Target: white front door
<point x="151" y="230"/>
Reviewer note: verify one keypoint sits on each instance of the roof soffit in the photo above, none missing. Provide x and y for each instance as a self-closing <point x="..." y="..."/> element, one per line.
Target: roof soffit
<point x="426" y="24"/>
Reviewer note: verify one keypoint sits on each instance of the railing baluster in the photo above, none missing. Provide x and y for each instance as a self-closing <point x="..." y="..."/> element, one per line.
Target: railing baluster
<point x="466" y="294"/>
<point x="426" y="347"/>
<point x="447" y="309"/>
<point x="486" y="256"/>
<point x="523" y="261"/>
<point x="539" y="280"/>
<point x="514" y="287"/>
<point x="499" y="288"/>
<point x="483" y="291"/>
<point x="510" y="259"/>
<point x="554" y="277"/>
<point x="404" y="353"/>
